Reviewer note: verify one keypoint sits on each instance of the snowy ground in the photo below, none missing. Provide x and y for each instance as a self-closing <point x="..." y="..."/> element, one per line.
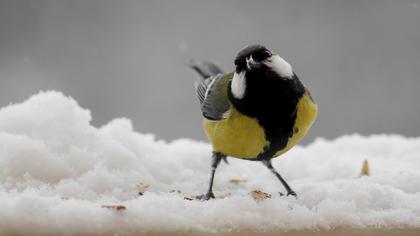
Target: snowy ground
<point x="57" y="170"/>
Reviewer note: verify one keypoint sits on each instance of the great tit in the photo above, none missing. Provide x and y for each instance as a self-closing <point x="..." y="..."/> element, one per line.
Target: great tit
<point x="257" y="112"/>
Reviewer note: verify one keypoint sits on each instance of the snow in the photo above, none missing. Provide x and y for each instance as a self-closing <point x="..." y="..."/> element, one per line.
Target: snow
<point x="57" y="170"/>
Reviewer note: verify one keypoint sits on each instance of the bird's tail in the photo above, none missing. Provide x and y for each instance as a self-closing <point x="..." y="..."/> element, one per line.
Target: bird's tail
<point x="205" y="69"/>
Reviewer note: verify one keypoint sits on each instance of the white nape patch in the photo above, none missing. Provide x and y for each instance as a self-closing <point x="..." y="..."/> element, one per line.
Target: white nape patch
<point x="280" y="66"/>
<point x="238" y="85"/>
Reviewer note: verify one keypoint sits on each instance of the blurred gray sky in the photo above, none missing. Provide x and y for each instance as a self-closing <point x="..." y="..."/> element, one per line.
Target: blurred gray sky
<point x="360" y="59"/>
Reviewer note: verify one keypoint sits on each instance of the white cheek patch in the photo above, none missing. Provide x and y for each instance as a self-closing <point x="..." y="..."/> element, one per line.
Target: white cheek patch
<point x="280" y="66"/>
<point x="238" y="85"/>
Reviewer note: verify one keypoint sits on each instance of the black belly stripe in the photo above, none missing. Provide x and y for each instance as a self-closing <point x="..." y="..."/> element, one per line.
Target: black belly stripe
<point x="272" y="100"/>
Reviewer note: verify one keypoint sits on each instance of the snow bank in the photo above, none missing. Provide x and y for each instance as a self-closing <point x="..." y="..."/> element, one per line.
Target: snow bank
<point x="57" y="170"/>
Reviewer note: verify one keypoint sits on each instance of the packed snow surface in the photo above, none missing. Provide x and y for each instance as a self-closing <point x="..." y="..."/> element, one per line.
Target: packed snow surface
<point x="57" y="170"/>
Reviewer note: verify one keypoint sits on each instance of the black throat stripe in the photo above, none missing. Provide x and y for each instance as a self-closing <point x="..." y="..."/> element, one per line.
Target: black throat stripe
<point x="272" y="100"/>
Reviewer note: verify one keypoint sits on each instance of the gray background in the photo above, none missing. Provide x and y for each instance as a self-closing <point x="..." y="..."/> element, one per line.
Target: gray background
<point x="360" y="59"/>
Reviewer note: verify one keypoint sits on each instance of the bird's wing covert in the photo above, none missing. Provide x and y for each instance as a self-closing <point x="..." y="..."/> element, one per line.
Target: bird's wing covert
<point x="213" y="96"/>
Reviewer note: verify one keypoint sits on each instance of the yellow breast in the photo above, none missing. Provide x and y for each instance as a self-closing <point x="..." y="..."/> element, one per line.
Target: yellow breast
<point x="241" y="136"/>
<point x="307" y="112"/>
<point x="236" y="136"/>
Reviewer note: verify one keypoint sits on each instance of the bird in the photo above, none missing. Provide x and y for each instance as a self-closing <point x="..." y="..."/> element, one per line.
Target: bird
<point x="257" y="112"/>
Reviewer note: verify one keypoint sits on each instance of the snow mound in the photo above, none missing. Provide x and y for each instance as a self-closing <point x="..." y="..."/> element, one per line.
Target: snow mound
<point x="57" y="170"/>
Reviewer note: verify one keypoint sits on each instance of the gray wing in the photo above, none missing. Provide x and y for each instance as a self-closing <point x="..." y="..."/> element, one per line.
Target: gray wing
<point x="213" y="96"/>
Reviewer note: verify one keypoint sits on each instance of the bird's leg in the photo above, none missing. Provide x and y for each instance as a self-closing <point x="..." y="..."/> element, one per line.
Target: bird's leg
<point x="268" y="164"/>
<point x="216" y="158"/>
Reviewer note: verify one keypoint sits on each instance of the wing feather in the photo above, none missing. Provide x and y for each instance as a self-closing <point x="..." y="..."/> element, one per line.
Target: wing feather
<point x="213" y="96"/>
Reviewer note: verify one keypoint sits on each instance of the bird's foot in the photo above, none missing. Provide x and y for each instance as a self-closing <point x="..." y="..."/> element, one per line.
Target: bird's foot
<point x="206" y="197"/>
<point x="293" y="193"/>
<point x="290" y="192"/>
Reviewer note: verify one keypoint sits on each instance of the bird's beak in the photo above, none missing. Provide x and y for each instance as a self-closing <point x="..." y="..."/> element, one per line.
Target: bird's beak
<point x="249" y="62"/>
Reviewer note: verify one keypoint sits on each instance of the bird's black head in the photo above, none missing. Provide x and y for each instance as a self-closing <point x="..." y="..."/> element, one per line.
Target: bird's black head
<point x="251" y="57"/>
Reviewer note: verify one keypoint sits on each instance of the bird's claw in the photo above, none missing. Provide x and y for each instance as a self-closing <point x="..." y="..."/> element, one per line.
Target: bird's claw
<point x="206" y="197"/>
<point x="291" y="192"/>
